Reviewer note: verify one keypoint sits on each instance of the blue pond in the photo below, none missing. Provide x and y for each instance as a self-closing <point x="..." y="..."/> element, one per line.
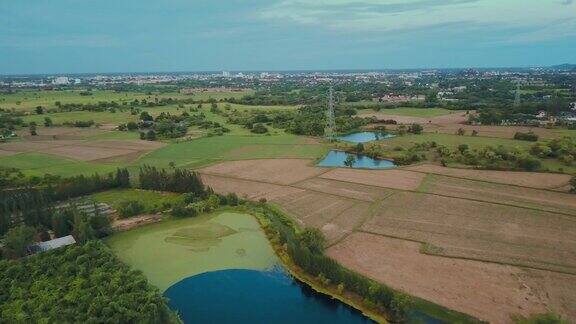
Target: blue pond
<point x="363" y="137"/>
<point x="250" y="296"/>
<point x="336" y="159"/>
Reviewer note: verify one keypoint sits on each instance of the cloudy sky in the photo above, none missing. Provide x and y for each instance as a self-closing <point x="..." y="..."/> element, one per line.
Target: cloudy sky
<point x="67" y="36"/>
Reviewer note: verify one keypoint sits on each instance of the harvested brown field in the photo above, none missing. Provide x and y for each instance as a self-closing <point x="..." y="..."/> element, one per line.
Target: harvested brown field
<point x="344" y="189"/>
<point x="280" y="171"/>
<point x="488" y="291"/>
<point x="7" y="153"/>
<point x="313" y="208"/>
<point x="248" y="189"/>
<point x="136" y="145"/>
<point x="483" y="231"/>
<point x="61" y="133"/>
<point x="102" y="150"/>
<point x="526" y="179"/>
<point x="394" y="179"/>
<point x="452" y="118"/>
<point x="84" y="153"/>
<point x="27" y="146"/>
<point x="346" y="222"/>
<point x="557" y="202"/>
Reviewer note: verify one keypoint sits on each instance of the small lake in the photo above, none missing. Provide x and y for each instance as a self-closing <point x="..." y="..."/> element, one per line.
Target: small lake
<point x="364" y="137"/>
<point x="337" y="158"/>
<point x="252" y="296"/>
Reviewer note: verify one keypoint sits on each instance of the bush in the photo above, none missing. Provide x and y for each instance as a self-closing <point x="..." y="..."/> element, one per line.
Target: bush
<point x="529" y="136"/>
<point x="529" y="163"/>
<point x="183" y="210"/>
<point x="130" y="208"/>
<point x="259" y="129"/>
<point x="415" y="129"/>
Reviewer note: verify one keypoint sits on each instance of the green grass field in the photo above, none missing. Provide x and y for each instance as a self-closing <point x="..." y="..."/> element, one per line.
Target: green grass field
<point x="27" y="100"/>
<point x="207" y="150"/>
<point x="452" y="141"/>
<point x="151" y="200"/>
<point x="412" y="112"/>
<point x="38" y="164"/>
<point x="177" y="249"/>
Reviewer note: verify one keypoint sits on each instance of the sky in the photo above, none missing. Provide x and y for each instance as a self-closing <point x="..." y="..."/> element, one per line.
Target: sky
<point x="97" y="36"/>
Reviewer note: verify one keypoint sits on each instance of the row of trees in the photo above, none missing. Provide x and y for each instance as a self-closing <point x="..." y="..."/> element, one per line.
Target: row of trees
<point x="306" y="249"/>
<point x="33" y="203"/>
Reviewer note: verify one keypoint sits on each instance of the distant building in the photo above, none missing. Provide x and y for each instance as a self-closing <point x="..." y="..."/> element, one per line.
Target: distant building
<point x="225" y="74"/>
<point x="61" y="81"/>
<point x="52" y="244"/>
<point x="391" y="97"/>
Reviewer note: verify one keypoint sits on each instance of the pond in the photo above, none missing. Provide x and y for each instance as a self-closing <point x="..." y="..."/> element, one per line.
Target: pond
<point x="364" y="137"/>
<point x="251" y="296"/>
<point x="337" y="158"/>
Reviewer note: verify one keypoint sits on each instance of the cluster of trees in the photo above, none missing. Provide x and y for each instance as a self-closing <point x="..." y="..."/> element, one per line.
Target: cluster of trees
<point x="78" y="123"/>
<point x="306" y="249"/>
<point x="528" y="136"/>
<point x="78" y="284"/>
<point x="180" y="180"/>
<point x="563" y="149"/>
<point x="193" y="205"/>
<point x="32" y="203"/>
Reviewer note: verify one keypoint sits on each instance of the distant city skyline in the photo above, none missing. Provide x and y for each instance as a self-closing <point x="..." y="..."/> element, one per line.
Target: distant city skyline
<point x="124" y="36"/>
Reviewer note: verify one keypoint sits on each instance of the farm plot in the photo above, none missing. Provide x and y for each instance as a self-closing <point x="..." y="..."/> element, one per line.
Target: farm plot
<point x="346" y="222"/>
<point x="314" y="209"/>
<point x="246" y="188"/>
<point x="487" y="291"/>
<point x="280" y="171"/>
<point x="394" y="179"/>
<point x="525" y="179"/>
<point x="558" y="202"/>
<point x="344" y="189"/>
<point x="61" y="133"/>
<point x="483" y="231"/>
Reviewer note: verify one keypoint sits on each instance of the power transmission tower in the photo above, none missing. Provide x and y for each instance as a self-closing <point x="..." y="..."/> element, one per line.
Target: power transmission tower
<point x="517" y="96"/>
<point x="330" y="129"/>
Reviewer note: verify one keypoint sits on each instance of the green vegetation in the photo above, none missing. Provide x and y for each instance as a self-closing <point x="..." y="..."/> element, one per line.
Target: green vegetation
<point x="547" y="318"/>
<point x="151" y="201"/>
<point x="407" y="111"/>
<point x="189" y="246"/>
<point x="86" y="282"/>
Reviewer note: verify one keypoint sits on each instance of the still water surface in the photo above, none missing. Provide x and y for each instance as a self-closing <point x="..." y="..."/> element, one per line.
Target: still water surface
<point x="251" y="296"/>
<point x="336" y="159"/>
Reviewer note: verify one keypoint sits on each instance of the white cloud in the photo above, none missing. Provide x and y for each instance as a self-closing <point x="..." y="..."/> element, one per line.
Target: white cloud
<point x="381" y="16"/>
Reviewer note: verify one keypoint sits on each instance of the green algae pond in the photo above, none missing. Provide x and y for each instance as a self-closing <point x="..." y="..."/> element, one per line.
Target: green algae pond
<point x="173" y="250"/>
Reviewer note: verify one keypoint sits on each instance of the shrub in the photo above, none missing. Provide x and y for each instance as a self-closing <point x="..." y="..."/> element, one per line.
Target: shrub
<point x="529" y="136"/>
<point x="529" y="163"/>
<point x="259" y="129"/>
<point x="130" y="208"/>
<point x="183" y="210"/>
